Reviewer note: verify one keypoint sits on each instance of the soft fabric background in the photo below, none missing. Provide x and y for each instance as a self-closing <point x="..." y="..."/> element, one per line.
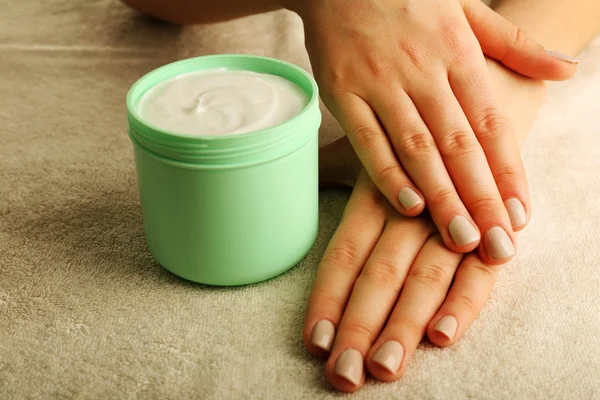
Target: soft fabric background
<point x="86" y="313"/>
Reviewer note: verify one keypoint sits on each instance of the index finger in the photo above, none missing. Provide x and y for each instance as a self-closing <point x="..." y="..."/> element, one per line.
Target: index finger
<point x="346" y="254"/>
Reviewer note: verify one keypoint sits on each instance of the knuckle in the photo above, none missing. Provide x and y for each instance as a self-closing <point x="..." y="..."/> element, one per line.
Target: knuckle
<point x="377" y="66"/>
<point x="406" y="325"/>
<point x="366" y="137"/>
<point x="485" y="204"/>
<point x="466" y="303"/>
<point x="519" y="36"/>
<point x="387" y="173"/>
<point x="334" y="81"/>
<point x="441" y="198"/>
<point x="358" y="329"/>
<point x="462" y="58"/>
<point x="458" y="42"/>
<point x="432" y="276"/>
<point x="414" y="145"/>
<point x="415" y="55"/>
<point x="458" y="143"/>
<point x="326" y="300"/>
<point x="491" y="125"/>
<point x="506" y="175"/>
<point x="489" y="271"/>
<point x="516" y="38"/>
<point x="341" y="255"/>
<point x="382" y="273"/>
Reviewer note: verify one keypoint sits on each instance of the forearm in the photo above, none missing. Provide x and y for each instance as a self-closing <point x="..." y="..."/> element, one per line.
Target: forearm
<point x="202" y="11"/>
<point x="562" y="25"/>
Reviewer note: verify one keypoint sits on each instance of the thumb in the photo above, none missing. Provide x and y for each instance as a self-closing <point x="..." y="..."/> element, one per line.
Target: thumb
<point x="501" y="40"/>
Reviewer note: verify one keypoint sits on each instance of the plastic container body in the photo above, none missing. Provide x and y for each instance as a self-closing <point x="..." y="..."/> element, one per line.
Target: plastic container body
<point x="228" y="210"/>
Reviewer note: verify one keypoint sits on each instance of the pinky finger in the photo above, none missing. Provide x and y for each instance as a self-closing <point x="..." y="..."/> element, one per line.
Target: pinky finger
<point x="373" y="148"/>
<point x="473" y="284"/>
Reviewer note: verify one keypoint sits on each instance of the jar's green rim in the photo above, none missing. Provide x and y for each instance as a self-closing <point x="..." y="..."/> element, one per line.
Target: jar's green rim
<point x="190" y="166"/>
<point x="244" y="62"/>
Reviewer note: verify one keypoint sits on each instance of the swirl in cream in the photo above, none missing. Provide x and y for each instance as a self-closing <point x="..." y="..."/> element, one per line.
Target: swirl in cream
<point x="221" y="102"/>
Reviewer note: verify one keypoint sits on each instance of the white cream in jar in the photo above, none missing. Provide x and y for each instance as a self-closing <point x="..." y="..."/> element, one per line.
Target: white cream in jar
<point x="221" y="102"/>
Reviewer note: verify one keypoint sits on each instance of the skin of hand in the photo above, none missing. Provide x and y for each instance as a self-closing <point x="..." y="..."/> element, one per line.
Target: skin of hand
<point x="354" y="315"/>
<point x="408" y="82"/>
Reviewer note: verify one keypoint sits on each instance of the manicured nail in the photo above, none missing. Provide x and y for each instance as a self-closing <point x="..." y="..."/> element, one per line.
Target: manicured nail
<point x="409" y="198"/>
<point x="462" y="231"/>
<point x="498" y="244"/>
<point x="349" y="366"/>
<point x="562" y="56"/>
<point x="322" y="334"/>
<point x="447" y="326"/>
<point x="389" y="356"/>
<point x="516" y="212"/>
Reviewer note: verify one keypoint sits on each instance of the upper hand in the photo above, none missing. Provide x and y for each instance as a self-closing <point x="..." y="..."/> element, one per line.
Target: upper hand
<point x="408" y="82"/>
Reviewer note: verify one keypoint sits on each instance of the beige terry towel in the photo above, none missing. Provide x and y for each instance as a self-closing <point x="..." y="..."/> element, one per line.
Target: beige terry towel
<point x="86" y="313"/>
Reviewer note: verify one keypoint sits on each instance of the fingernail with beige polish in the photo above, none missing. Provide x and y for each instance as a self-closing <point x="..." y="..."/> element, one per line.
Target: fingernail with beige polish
<point x="516" y="212"/>
<point x="349" y="366"/>
<point x="409" y="198"/>
<point x="322" y="334"/>
<point x="562" y="56"/>
<point x="498" y="244"/>
<point x="462" y="231"/>
<point x="389" y="355"/>
<point x="447" y="326"/>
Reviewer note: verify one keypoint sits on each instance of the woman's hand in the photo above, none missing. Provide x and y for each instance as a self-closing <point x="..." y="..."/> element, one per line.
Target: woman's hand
<point x="374" y="254"/>
<point x="408" y="82"/>
<point x="385" y="280"/>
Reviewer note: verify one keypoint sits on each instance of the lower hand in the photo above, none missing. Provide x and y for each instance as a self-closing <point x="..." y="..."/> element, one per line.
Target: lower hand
<point x="354" y="314"/>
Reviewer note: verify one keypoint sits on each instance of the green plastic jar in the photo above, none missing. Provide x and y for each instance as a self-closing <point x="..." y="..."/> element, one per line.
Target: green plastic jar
<point x="228" y="210"/>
